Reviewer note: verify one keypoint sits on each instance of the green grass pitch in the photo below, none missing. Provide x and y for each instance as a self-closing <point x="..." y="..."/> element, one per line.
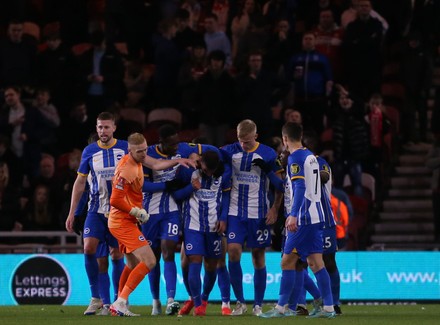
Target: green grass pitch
<point x="419" y="314"/>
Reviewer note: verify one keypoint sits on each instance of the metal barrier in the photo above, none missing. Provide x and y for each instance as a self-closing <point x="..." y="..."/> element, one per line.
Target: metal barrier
<point x="62" y="245"/>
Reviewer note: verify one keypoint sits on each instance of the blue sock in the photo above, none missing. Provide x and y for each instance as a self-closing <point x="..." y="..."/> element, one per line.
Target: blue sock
<point x="303" y="292"/>
<point x="118" y="267"/>
<point x="208" y="284"/>
<point x="170" y="274"/>
<point x="224" y="283"/>
<point x="335" y="282"/>
<point x="195" y="283"/>
<point x="260" y="277"/>
<point x="297" y="291"/>
<point x="104" y="287"/>
<point x="185" y="280"/>
<point x="154" y="279"/>
<point x="92" y="271"/>
<point x="323" y="280"/>
<point x="236" y="275"/>
<point x="310" y="286"/>
<point x="286" y="286"/>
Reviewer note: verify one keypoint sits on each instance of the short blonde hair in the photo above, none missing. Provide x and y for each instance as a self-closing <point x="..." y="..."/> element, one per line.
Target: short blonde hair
<point x="136" y="139"/>
<point x="246" y="127"/>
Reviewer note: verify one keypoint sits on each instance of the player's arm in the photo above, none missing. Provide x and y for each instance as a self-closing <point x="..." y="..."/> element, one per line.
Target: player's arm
<point x="77" y="191"/>
<point x="223" y="217"/>
<point x="299" y="189"/>
<point x="161" y="164"/>
<point x="187" y="189"/>
<point x="118" y="200"/>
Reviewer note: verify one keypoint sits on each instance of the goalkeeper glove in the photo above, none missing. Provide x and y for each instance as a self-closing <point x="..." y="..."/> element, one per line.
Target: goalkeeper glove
<point x="140" y="214"/>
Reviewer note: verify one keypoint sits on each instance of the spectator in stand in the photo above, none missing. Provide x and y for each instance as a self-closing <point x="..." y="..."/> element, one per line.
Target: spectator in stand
<point x="79" y="124"/>
<point x="416" y="67"/>
<point x="20" y="123"/>
<point x="350" y="140"/>
<point x="216" y="39"/>
<point x="249" y="13"/>
<point x="314" y="8"/>
<point x="15" y="174"/>
<point x="329" y="38"/>
<point x="350" y="14"/>
<point x="311" y="74"/>
<point x="342" y="218"/>
<point x="40" y="212"/>
<point x="217" y="100"/>
<point x="56" y="70"/>
<point x="363" y="43"/>
<point x="194" y="9"/>
<point x="185" y="37"/>
<point x="167" y="58"/>
<point x="222" y="9"/>
<point x="17" y="57"/>
<point x="280" y="46"/>
<point x="379" y="125"/>
<point x="192" y="69"/>
<point x="48" y="176"/>
<point x="50" y="121"/>
<point x="275" y="10"/>
<point x="433" y="162"/>
<point x="101" y="75"/>
<point x="10" y="210"/>
<point x="259" y="92"/>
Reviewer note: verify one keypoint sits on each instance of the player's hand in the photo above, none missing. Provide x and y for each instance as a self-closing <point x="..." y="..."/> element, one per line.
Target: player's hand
<point x="187" y="162"/>
<point x="78" y="224"/>
<point x="271" y="216"/>
<point x="262" y="164"/>
<point x="291" y="223"/>
<point x="140" y="214"/>
<point x="69" y="223"/>
<point x="220" y="227"/>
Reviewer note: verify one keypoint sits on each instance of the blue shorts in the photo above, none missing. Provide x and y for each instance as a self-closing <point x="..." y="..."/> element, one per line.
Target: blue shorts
<point x="305" y="241"/>
<point x="96" y="226"/>
<point x="329" y="238"/>
<point x="162" y="226"/>
<point x="254" y="232"/>
<point x="102" y="250"/>
<point x="207" y="244"/>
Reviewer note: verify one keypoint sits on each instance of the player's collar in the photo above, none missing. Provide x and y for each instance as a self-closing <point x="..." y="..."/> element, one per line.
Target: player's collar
<point x="103" y="146"/>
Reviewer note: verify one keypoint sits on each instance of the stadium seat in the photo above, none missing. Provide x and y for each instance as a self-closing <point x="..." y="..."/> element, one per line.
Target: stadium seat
<point x="134" y="114"/>
<point x="80" y="48"/>
<point x="122" y="48"/>
<point x="32" y="29"/>
<point x="368" y="182"/>
<point x="161" y="116"/>
<point x="188" y="135"/>
<point x="356" y="226"/>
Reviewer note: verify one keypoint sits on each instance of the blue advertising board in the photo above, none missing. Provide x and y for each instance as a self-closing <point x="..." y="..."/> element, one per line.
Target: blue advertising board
<point x="61" y="278"/>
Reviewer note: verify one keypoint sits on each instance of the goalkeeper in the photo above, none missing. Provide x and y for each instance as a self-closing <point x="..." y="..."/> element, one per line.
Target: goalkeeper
<point x="125" y="214"/>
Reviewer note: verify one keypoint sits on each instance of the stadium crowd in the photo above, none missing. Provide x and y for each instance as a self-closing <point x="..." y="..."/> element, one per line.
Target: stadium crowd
<point x="319" y="63"/>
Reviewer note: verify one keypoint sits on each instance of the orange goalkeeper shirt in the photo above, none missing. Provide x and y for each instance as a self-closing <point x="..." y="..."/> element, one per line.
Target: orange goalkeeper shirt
<point x="126" y="192"/>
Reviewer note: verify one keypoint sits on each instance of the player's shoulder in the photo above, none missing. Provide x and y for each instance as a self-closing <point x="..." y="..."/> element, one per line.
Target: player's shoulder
<point x="265" y="150"/>
<point x="121" y="144"/>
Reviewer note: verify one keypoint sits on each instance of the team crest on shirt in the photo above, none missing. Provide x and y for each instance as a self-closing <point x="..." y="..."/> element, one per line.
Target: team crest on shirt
<point x="295" y="169"/>
<point x="120" y="183"/>
<point x="231" y="235"/>
<point x="149" y="242"/>
<point x="141" y="238"/>
<point x="119" y="156"/>
<point x="189" y="247"/>
<point x="86" y="231"/>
